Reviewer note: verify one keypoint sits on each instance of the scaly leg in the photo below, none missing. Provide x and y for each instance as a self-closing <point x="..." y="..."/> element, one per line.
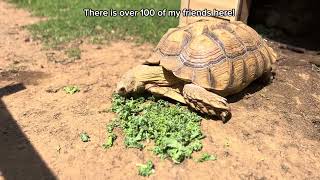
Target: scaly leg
<point x="206" y="102"/>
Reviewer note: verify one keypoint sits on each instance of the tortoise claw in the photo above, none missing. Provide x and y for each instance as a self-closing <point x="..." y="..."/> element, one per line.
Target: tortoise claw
<point x="225" y="116"/>
<point x="206" y="102"/>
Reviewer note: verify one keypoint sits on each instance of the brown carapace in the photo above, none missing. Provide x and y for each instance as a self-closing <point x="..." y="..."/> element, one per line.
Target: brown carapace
<point x="202" y="62"/>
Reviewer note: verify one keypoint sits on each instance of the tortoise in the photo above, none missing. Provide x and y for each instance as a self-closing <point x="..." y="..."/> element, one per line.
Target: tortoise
<point x="202" y="63"/>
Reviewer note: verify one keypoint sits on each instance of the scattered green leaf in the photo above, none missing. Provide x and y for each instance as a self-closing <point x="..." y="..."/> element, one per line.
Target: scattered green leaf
<point x="84" y="137"/>
<point x="146" y="169"/>
<point x="71" y="89"/>
<point x="207" y="157"/>
<point x="109" y="142"/>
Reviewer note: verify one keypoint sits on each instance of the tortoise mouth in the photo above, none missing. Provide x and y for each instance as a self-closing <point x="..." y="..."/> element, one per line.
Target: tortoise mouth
<point x="121" y="91"/>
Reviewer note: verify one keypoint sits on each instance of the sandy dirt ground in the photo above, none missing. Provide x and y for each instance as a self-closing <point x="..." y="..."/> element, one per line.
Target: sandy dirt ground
<point x="274" y="132"/>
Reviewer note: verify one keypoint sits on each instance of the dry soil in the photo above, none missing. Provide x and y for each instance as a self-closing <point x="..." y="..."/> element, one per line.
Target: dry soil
<point x="274" y="132"/>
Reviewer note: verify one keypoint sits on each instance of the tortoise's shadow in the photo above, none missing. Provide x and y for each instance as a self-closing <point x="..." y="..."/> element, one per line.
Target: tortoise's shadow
<point x="254" y="87"/>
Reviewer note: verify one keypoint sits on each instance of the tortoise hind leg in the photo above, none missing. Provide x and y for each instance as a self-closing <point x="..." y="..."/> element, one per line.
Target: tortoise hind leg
<point x="206" y="102"/>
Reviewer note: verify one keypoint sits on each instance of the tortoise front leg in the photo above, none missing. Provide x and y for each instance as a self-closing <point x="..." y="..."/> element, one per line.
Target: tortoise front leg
<point x="166" y="91"/>
<point x="206" y="102"/>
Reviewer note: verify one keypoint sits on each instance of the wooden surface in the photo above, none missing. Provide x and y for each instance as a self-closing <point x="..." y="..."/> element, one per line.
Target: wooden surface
<point x="244" y="13"/>
<point x="184" y="4"/>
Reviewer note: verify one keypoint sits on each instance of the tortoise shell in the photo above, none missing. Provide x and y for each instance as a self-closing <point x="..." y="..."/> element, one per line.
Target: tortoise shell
<point x="222" y="57"/>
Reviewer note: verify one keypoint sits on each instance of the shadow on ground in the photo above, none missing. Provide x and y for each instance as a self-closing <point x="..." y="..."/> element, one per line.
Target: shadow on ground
<point x="18" y="158"/>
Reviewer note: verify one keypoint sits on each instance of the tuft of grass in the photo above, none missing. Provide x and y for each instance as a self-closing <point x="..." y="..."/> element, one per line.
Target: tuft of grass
<point x="71" y="89"/>
<point x="66" y="20"/>
<point x="146" y="169"/>
<point x="175" y="130"/>
<point x="84" y="137"/>
<point x="207" y="157"/>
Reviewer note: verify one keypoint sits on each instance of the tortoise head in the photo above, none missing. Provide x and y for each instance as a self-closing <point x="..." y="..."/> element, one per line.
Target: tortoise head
<point x="129" y="83"/>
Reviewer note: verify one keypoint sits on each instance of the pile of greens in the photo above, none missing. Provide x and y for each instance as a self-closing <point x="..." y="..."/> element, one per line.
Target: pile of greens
<point x="175" y="130"/>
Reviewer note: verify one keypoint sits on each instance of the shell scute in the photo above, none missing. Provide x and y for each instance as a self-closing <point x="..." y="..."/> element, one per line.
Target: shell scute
<point x="173" y="42"/>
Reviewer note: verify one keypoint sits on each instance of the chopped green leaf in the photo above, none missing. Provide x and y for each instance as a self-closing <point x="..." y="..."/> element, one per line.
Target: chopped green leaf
<point x="146" y="169"/>
<point x="207" y="157"/>
<point x="111" y="126"/>
<point x="109" y="142"/>
<point x="71" y="89"/>
<point x="84" y="137"/>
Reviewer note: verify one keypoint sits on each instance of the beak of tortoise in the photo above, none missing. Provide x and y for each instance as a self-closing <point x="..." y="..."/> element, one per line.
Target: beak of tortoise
<point x="120" y="89"/>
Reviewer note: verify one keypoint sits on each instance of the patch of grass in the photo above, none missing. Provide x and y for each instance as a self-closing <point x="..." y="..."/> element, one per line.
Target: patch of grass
<point x="71" y="89"/>
<point x="146" y="169"/>
<point x="84" y="137"/>
<point x="175" y="130"/>
<point x="207" y="157"/>
<point x="67" y="22"/>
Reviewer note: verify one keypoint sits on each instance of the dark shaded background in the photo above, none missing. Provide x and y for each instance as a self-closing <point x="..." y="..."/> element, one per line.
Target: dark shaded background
<point x="294" y="22"/>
